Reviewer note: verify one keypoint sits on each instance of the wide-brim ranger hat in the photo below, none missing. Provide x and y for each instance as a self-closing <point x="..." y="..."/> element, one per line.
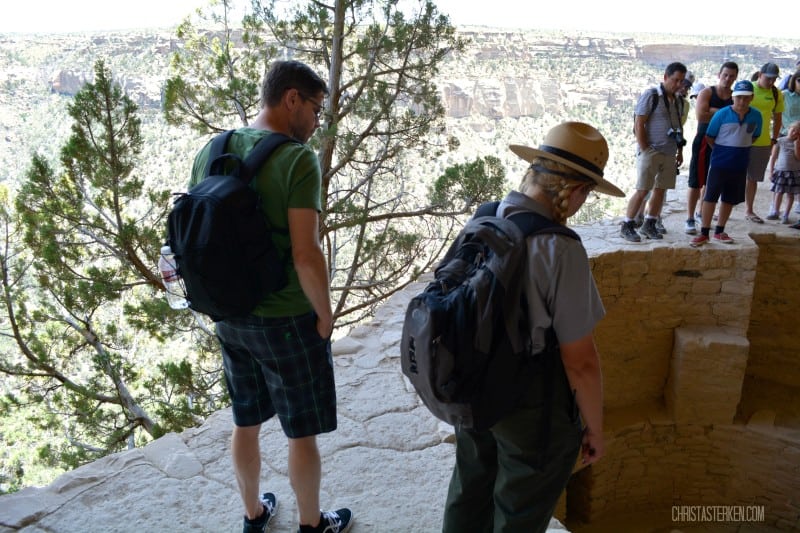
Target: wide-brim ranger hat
<point x="576" y="145"/>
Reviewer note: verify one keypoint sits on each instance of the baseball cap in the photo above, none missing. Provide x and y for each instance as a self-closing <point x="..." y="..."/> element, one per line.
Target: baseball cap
<point x="743" y="88"/>
<point x="696" y="88"/>
<point x="770" y="70"/>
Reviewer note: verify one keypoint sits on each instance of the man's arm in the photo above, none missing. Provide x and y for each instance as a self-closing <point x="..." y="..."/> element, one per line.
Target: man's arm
<point x="582" y="365"/>
<point x="777" y="123"/>
<point x="309" y="262"/>
<point x="640" y="132"/>
<point x="703" y="109"/>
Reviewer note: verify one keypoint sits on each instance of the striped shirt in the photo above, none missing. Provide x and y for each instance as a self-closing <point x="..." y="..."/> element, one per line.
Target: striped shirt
<point x="666" y="116"/>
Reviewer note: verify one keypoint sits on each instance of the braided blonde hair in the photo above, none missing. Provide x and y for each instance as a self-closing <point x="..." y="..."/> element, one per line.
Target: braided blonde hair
<point x="557" y="185"/>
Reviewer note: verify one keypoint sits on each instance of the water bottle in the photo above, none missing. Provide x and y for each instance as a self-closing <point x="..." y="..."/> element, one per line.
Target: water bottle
<point x="176" y="296"/>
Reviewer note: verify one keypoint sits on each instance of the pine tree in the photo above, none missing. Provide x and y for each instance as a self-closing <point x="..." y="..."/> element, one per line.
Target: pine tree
<point x="382" y="118"/>
<point x="82" y="299"/>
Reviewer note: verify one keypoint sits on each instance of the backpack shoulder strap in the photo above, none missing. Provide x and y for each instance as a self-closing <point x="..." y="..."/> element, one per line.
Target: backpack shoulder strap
<point x="654" y="96"/>
<point x="218" y="146"/>
<point x="488" y="209"/>
<point x="531" y="223"/>
<point x="528" y="222"/>
<point x="261" y="152"/>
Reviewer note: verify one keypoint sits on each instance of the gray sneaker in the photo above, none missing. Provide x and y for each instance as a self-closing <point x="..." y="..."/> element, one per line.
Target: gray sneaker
<point x="638" y="220"/>
<point x="628" y="232"/>
<point x="649" y="230"/>
<point x="660" y="226"/>
<point x="691" y="228"/>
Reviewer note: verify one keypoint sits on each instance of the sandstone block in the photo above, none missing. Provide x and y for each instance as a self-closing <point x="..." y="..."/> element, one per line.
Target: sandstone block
<point x="706" y="374"/>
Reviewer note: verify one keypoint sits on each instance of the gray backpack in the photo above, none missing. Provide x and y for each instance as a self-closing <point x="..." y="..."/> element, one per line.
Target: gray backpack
<point x="466" y="345"/>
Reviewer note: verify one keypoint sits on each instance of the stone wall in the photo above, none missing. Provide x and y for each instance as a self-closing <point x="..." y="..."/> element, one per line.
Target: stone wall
<point x="648" y="293"/>
<point x="699" y="353"/>
<point x="775" y="344"/>
<point x="653" y="465"/>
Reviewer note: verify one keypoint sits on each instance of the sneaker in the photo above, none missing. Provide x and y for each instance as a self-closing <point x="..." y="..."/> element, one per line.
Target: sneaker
<point x="691" y="229"/>
<point x="773" y="216"/>
<point x="337" y="521"/>
<point x="723" y="238"/>
<point x="785" y="220"/>
<point x="660" y="226"/>
<point x="700" y="240"/>
<point x="638" y="220"/>
<point x="260" y="524"/>
<point x="649" y="230"/>
<point x="796" y="225"/>
<point x="628" y="232"/>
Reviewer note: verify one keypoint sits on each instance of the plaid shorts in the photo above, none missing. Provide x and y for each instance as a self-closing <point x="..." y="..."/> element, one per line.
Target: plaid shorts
<point x="279" y="366"/>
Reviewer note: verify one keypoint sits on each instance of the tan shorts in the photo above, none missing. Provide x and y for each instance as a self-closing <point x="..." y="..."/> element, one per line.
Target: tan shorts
<point x="759" y="159"/>
<point x="655" y="170"/>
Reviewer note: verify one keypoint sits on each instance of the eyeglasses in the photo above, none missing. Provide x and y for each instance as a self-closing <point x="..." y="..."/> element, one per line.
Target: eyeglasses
<point x="319" y="108"/>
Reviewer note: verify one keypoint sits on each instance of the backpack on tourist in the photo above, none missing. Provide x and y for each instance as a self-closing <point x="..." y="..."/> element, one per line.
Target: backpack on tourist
<point x="466" y="345"/>
<point x="220" y="236"/>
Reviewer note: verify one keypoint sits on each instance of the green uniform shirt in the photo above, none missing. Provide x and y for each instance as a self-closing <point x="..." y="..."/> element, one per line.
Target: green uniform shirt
<point x="291" y="178"/>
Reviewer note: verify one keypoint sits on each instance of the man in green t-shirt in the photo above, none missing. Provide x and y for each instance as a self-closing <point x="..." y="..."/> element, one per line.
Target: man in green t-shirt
<point x="278" y="361"/>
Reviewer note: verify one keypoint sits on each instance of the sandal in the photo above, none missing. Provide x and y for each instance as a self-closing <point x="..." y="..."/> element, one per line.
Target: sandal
<point x="754" y="218"/>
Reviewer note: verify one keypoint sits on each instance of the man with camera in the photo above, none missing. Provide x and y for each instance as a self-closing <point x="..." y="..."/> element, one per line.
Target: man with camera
<point x="659" y="139"/>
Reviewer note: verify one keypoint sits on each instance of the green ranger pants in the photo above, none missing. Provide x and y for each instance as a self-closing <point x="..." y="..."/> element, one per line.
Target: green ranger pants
<point x="509" y="478"/>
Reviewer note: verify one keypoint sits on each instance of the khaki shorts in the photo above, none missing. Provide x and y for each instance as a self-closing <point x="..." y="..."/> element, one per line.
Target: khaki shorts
<point x="759" y="159"/>
<point x="655" y="170"/>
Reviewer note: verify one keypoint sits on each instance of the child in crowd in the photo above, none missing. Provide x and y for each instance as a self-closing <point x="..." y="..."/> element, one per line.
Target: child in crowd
<point x="784" y="167"/>
<point x="730" y="134"/>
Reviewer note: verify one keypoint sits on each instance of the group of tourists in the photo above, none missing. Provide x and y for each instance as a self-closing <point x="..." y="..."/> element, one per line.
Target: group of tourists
<point x="746" y="130"/>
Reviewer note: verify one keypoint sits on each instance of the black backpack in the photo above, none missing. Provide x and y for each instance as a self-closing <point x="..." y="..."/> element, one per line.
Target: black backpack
<point x="221" y="238"/>
<point x="466" y="345"/>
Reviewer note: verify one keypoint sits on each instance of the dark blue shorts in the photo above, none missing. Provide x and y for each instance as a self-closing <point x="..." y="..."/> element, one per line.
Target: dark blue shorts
<point x="279" y="366"/>
<point x="725" y="184"/>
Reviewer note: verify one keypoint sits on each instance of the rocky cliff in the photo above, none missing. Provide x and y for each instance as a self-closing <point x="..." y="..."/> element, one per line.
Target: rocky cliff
<point x="501" y="74"/>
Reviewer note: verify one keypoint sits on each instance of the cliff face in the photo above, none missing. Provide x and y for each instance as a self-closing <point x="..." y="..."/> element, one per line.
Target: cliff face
<point x="517" y="74"/>
<point x="501" y="74"/>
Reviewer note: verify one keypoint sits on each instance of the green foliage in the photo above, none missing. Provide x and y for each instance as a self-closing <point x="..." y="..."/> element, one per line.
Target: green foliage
<point x="468" y="183"/>
<point x="79" y="290"/>
<point x="216" y="76"/>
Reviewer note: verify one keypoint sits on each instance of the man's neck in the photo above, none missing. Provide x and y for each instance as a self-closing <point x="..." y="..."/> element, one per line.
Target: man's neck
<point x="267" y="121"/>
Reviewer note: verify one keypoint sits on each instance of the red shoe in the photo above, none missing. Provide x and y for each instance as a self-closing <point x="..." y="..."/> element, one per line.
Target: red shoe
<point x="723" y="238"/>
<point x="700" y="240"/>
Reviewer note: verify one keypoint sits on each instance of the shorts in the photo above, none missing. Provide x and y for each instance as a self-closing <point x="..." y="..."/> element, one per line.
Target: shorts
<point x="759" y="159"/>
<point x="655" y="170"/>
<point x="725" y="184"/>
<point x="701" y="159"/>
<point x="279" y="366"/>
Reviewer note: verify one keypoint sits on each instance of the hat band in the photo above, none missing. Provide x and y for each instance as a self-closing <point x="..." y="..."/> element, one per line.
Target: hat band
<point x="569" y="156"/>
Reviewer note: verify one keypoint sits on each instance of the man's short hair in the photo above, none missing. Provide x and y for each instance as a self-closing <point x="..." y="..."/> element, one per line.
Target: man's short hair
<point x="729" y="65"/>
<point x="672" y="68"/>
<point x="285" y="75"/>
